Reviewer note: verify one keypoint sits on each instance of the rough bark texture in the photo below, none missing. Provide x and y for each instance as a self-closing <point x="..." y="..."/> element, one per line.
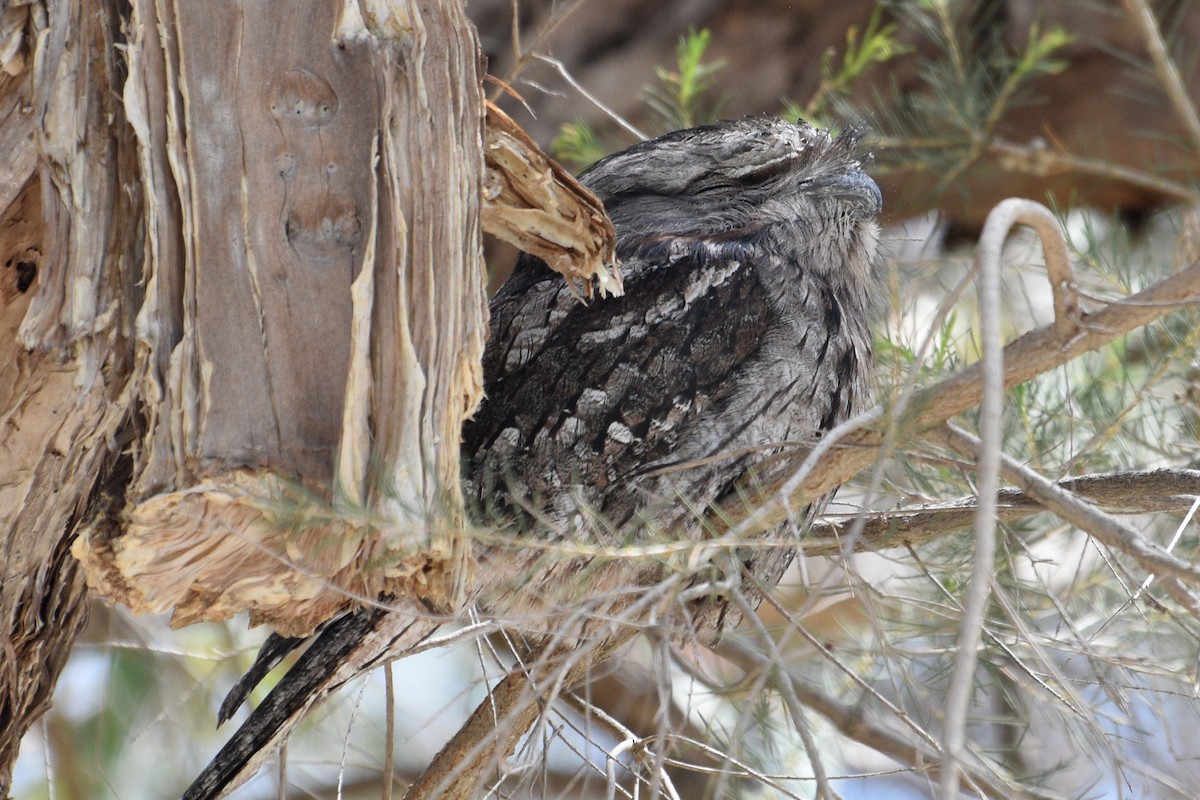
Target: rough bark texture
<point x="241" y="290"/>
<point x="314" y="314"/>
<point x="69" y="244"/>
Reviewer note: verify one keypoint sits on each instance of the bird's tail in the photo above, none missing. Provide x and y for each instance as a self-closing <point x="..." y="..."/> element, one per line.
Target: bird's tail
<point x="344" y="649"/>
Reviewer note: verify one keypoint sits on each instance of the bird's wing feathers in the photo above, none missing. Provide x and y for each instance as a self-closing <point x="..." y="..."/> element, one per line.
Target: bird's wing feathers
<point x="689" y="367"/>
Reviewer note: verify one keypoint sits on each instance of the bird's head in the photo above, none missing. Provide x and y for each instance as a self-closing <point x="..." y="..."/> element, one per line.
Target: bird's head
<point x="741" y="174"/>
<point x="762" y="182"/>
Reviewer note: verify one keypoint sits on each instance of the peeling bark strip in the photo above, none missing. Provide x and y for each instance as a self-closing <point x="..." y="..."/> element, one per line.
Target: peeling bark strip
<point x="533" y="203"/>
<point x="314" y="313"/>
<point x="69" y="236"/>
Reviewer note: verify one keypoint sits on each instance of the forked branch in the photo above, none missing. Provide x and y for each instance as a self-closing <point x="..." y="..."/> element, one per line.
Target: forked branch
<point x="862" y="441"/>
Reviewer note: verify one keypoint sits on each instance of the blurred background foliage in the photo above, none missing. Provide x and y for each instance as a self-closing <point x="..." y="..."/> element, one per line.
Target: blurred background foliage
<point x="1088" y="676"/>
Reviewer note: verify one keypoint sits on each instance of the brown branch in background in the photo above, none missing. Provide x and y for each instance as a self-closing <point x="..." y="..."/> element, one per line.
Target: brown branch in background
<point x="1142" y="492"/>
<point x="493" y="730"/>
<point x="1037" y="352"/>
<point x="1104" y="527"/>
<point x="1041" y="160"/>
<point x="533" y="203"/>
<point x="853" y="722"/>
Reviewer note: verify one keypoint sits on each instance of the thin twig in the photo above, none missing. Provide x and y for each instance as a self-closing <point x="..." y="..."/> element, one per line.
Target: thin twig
<point x="281" y="786"/>
<point x="737" y="734"/>
<point x="732" y="768"/>
<point x="1170" y="545"/>
<point x="1104" y="527"/>
<point x="591" y="98"/>
<point x="1035" y="353"/>
<point x="783" y="500"/>
<point x="515" y="32"/>
<point x="855" y="725"/>
<point x="389" y="730"/>
<point x="497" y="725"/>
<point x="794" y="707"/>
<point x="354" y="709"/>
<point x="1167" y="72"/>
<point x="635" y="745"/>
<point x="987" y="266"/>
<point x="557" y="18"/>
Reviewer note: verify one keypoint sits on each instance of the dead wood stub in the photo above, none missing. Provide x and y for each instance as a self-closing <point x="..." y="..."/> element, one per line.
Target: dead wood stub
<point x="67" y="288"/>
<point x="313" y="325"/>
<point x="270" y="257"/>
<point x="250" y="271"/>
<point x="533" y="203"/>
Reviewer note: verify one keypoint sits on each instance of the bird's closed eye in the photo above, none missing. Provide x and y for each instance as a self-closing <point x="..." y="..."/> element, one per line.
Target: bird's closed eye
<point x="709" y="185"/>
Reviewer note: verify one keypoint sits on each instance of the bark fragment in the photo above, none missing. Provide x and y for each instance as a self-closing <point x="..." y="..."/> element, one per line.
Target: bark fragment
<point x="69" y="237"/>
<point x="312" y="331"/>
<point x="532" y="202"/>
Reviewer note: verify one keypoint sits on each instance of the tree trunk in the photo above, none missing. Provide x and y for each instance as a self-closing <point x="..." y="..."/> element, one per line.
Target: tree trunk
<point x="242" y="312"/>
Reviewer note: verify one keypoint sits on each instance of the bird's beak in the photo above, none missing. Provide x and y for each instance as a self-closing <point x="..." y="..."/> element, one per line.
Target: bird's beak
<point x="854" y="188"/>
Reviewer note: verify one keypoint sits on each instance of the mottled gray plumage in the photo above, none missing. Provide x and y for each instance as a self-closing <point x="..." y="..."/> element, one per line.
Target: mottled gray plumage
<point x="747" y="250"/>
